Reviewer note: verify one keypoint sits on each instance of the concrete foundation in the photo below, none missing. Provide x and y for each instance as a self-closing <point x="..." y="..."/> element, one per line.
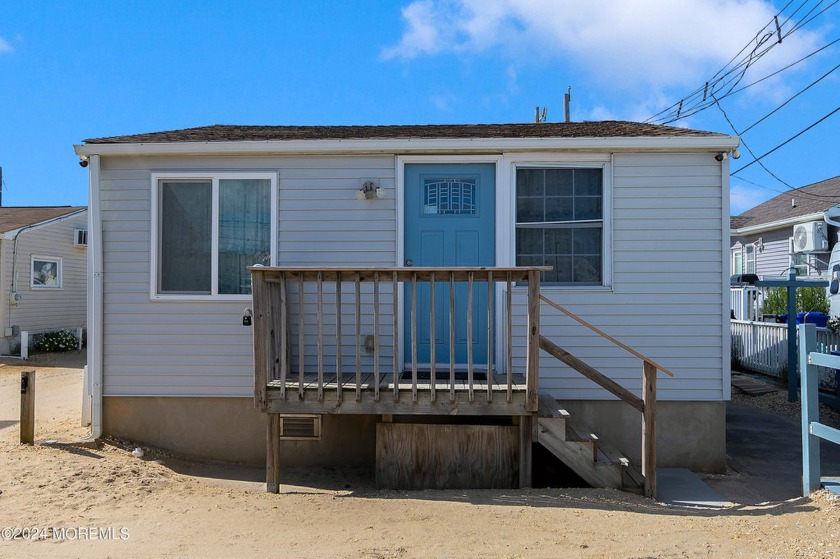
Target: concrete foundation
<point x="232" y="430"/>
<point x="689" y="434"/>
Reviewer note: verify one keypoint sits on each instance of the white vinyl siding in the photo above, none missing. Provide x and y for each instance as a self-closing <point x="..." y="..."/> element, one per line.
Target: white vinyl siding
<point x="666" y="299"/>
<point x="46" y="308"/>
<point x="200" y="348"/>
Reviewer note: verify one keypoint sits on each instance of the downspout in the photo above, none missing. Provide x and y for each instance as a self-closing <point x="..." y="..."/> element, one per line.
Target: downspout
<point x="95" y="300"/>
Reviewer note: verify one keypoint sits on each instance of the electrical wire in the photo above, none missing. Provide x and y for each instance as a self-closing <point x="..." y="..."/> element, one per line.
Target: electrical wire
<point x="757" y="159"/>
<point x="723" y="79"/>
<point x="765" y="117"/>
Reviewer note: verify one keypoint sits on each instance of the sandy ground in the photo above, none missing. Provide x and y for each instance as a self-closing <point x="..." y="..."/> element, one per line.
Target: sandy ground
<point x="62" y="499"/>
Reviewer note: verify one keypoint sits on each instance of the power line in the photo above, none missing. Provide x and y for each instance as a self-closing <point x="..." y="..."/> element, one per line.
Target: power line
<point x="723" y="82"/>
<point x="757" y="159"/>
<point x="812" y="84"/>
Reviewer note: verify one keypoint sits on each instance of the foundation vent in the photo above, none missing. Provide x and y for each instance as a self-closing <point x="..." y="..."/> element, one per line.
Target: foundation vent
<point x="300" y="427"/>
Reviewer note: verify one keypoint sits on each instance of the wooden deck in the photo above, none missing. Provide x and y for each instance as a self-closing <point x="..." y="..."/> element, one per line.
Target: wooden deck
<point x="310" y="321"/>
<point x="359" y="394"/>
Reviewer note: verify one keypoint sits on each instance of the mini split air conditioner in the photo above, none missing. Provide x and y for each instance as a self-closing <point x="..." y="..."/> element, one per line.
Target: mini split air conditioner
<point x="810" y="237"/>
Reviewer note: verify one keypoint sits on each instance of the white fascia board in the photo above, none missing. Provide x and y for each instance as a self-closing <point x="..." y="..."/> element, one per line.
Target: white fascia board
<point x="415" y="145"/>
<point x="761" y="228"/>
<point x="13" y="233"/>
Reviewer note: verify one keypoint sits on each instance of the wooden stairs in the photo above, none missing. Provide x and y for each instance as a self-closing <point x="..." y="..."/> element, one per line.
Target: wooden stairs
<point x="583" y="452"/>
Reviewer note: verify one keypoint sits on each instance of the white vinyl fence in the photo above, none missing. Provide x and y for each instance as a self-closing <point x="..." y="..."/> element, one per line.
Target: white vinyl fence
<point x="761" y="347"/>
<point x="746" y="301"/>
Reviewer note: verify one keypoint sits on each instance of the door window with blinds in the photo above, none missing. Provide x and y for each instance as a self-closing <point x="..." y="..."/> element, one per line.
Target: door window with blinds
<point x="209" y="230"/>
<point x="560" y="223"/>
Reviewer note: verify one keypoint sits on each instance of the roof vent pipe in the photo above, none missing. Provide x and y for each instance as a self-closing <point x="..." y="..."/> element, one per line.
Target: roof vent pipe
<point x="793" y="203"/>
<point x="567" y="98"/>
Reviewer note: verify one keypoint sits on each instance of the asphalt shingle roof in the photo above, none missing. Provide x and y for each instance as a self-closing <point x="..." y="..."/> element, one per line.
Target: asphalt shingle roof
<point x="234" y="133"/>
<point x="12" y="218"/>
<point x="810" y="199"/>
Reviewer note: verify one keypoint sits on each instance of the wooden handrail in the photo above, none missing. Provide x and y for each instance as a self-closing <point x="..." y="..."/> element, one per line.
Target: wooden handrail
<point x="646" y="404"/>
<point x="592" y="374"/>
<point x="606" y="336"/>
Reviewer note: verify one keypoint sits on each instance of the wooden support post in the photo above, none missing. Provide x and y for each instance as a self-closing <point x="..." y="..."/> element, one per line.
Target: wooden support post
<point x="27" y="407"/>
<point x="525" y="458"/>
<point x="532" y="368"/>
<point x="272" y="454"/>
<point x="649" y="429"/>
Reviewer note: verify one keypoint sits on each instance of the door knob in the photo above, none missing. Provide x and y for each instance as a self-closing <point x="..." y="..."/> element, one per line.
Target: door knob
<point x="409" y="262"/>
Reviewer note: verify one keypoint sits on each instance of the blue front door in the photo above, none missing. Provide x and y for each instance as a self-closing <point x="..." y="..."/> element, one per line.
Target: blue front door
<point x="449" y="221"/>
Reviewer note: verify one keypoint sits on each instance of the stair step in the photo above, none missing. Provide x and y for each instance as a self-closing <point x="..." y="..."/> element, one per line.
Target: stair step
<point x="584" y="452"/>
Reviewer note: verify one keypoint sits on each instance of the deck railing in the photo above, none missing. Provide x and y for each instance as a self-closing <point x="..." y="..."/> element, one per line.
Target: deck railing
<point x="329" y="338"/>
<point x="646" y="405"/>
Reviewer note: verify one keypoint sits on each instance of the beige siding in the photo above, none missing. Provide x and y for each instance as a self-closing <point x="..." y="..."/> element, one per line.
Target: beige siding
<point x="666" y="299"/>
<point x="201" y="348"/>
<point x="46" y="309"/>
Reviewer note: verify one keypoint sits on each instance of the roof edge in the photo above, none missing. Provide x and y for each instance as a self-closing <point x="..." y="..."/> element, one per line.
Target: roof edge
<point x="408" y="145"/>
<point x="761" y="228"/>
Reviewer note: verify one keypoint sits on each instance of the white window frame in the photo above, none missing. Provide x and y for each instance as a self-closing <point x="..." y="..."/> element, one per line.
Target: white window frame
<point x="58" y="261"/>
<point x="580" y="161"/>
<point x="796" y="255"/>
<point x="737" y="254"/>
<point x="214" y="177"/>
<point x="749" y="257"/>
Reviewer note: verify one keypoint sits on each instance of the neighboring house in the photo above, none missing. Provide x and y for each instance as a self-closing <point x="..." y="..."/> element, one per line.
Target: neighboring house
<point x="632" y="217"/>
<point x="43" y="274"/>
<point x="764" y="238"/>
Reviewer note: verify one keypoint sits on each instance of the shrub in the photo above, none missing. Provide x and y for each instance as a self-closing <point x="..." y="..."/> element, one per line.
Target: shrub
<point x="60" y="340"/>
<point x="808" y="299"/>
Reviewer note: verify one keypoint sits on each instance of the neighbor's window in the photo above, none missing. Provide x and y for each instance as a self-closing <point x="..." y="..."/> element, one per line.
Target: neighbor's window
<point x="210" y="231"/>
<point x="737" y="261"/>
<point x="560" y="223"/>
<point x="46" y="272"/>
<point x="800" y="260"/>
<point x="749" y="258"/>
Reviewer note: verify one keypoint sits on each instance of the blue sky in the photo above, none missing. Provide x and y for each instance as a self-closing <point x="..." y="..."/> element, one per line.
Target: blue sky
<point x="72" y="71"/>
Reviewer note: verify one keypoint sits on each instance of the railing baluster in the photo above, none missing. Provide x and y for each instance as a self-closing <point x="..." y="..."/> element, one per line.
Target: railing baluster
<point x="284" y="337"/>
<point x="509" y="339"/>
<point x="451" y="336"/>
<point x="470" y="282"/>
<point x="338" y="352"/>
<point x="301" y="337"/>
<point x="376" y="336"/>
<point x="432" y="339"/>
<point x="414" y="336"/>
<point x="396" y="334"/>
<point x="357" y="282"/>
<point x="320" y="282"/>
<point x="489" y="336"/>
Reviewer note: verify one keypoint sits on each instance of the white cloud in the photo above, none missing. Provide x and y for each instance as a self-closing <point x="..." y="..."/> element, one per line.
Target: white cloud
<point x="743" y="197"/>
<point x="5" y="46"/>
<point x="624" y="43"/>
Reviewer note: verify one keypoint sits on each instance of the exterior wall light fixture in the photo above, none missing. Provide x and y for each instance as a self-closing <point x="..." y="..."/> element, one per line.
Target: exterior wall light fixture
<point x="370" y="191"/>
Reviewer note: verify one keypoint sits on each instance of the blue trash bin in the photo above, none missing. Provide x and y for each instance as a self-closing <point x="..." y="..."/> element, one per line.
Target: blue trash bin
<point x="818" y="318"/>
